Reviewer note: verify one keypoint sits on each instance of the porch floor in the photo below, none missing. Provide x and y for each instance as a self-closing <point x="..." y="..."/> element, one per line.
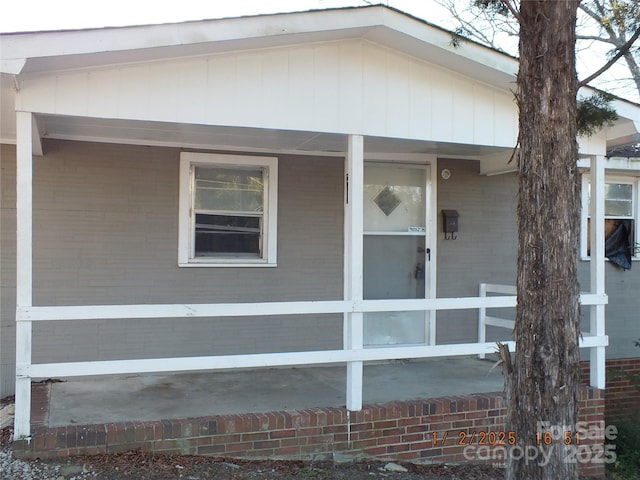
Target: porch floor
<point x="165" y="396"/>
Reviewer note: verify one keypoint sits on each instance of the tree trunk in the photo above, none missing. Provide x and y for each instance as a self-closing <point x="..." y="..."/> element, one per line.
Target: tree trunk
<point x="544" y="384"/>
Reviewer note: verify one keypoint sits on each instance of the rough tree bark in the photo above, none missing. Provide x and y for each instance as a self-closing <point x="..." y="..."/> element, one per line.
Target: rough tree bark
<point x="543" y="386"/>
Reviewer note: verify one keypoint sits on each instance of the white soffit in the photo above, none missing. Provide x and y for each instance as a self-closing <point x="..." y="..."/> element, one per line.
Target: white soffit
<point x="7" y="109"/>
<point x="240" y="138"/>
<point x="626" y="130"/>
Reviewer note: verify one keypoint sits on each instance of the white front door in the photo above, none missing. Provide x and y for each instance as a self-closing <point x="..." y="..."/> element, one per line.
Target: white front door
<point x="395" y="250"/>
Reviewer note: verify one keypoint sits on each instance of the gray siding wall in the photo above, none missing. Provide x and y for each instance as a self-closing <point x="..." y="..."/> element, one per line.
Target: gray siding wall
<point x="622" y="314"/>
<point x="485" y="248"/>
<point x="7" y="269"/>
<point x="485" y="251"/>
<point x="105" y="232"/>
<point x="105" y="223"/>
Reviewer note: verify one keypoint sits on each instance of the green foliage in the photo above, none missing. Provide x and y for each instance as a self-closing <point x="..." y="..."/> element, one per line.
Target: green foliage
<point x="620" y="15"/>
<point x="633" y="378"/>
<point x="312" y="472"/>
<point x="595" y="112"/>
<point x="627" y="464"/>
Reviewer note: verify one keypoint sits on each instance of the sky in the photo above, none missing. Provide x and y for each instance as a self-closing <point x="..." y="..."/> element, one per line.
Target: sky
<point x="36" y="15"/>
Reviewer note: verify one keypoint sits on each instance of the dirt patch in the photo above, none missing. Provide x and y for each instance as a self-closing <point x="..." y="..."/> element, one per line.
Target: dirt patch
<point x="148" y="466"/>
<point x="151" y="466"/>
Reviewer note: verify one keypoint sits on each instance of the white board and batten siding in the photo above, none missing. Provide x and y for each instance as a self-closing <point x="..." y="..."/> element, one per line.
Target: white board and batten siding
<point x="340" y="87"/>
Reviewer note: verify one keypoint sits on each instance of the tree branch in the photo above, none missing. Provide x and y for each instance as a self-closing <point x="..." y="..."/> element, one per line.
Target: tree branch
<point x="596" y="38"/>
<point x="613" y="60"/>
<point x="513" y="10"/>
<point x="591" y="13"/>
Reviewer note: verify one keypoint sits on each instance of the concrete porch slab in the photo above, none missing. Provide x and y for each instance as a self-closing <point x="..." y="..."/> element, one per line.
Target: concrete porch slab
<point x="160" y="396"/>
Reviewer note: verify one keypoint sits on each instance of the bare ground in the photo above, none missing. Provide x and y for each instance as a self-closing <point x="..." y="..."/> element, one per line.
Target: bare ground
<point x="149" y="466"/>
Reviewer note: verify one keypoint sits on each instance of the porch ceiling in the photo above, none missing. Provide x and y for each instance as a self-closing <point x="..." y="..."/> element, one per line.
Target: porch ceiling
<point x="241" y="138"/>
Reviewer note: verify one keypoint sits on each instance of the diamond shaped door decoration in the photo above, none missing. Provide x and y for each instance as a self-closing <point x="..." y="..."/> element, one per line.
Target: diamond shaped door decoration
<point x="387" y="200"/>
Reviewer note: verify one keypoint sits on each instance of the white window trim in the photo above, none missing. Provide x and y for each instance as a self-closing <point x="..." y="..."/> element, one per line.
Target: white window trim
<point x="584" y="215"/>
<point x="185" y="230"/>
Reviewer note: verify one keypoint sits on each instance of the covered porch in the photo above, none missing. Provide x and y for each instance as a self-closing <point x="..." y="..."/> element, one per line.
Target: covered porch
<point x="353" y="306"/>
<point x="325" y="95"/>
<point x="276" y="414"/>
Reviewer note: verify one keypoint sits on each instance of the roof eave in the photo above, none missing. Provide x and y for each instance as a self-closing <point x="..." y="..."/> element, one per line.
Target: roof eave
<point x="71" y="49"/>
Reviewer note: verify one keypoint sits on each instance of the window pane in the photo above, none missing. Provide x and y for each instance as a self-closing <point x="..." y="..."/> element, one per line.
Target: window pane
<point x="618" y="200"/>
<point x="618" y="191"/>
<point x="229" y="190"/>
<point x="394" y="198"/>
<point x="618" y="208"/>
<point x="220" y="235"/>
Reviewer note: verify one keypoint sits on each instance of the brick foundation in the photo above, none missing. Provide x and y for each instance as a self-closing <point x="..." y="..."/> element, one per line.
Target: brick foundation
<point x="441" y="430"/>
<point x="623" y="396"/>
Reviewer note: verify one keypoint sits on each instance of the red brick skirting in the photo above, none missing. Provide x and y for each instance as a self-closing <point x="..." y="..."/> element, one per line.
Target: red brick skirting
<point x="622" y="387"/>
<point x="448" y="429"/>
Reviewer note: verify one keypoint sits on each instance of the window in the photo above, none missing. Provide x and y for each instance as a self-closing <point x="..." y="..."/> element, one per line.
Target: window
<point x="228" y="210"/>
<point x="621" y="212"/>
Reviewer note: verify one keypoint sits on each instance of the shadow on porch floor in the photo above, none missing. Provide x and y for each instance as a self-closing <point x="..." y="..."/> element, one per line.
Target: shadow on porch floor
<point x="157" y="396"/>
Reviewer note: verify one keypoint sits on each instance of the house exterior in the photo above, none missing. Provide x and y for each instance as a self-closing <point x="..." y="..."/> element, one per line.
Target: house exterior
<point x="270" y="190"/>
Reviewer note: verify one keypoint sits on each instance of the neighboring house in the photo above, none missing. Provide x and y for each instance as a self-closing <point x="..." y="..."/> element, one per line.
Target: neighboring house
<point x="287" y="173"/>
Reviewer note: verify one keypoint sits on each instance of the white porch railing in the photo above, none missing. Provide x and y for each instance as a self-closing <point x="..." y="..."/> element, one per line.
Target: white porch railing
<point x="27" y="315"/>
<point x="352" y="306"/>
<point x="586" y="299"/>
<point x="484" y="320"/>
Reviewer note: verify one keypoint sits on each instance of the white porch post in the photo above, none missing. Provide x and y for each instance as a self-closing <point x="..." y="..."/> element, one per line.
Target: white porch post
<point x="597" y="354"/>
<point x="24" y="278"/>
<point x="482" y="318"/>
<point x="353" y="226"/>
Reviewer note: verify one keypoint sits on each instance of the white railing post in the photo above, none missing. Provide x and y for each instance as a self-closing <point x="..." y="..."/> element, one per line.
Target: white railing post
<point x="482" y="315"/>
<point x="597" y="362"/>
<point x="24" y="273"/>
<point x="353" y="265"/>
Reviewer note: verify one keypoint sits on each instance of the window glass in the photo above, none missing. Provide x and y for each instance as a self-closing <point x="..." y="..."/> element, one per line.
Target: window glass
<point x="230" y="190"/>
<point x="228" y="210"/>
<point x="394" y="199"/>
<point x="618" y="199"/>
<point x="620" y="222"/>
<point x="227" y="234"/>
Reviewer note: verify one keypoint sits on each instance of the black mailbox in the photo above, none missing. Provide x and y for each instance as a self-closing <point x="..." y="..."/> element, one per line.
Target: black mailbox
<point x="450" y="223"/>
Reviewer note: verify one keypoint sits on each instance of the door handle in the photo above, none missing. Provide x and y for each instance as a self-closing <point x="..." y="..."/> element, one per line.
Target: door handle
<point x="426" y="252"/>
<point x="419" y="271"/>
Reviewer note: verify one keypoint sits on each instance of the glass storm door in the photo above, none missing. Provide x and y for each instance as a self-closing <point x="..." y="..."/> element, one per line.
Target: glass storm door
<point x="395" y="250"/>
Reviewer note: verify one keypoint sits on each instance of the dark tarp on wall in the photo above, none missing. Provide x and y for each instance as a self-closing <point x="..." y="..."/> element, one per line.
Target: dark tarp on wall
<point x="617" y="247"/>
